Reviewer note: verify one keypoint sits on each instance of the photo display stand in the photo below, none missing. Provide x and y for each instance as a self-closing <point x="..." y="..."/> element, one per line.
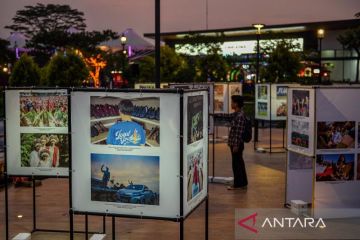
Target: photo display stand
<point x="37" y="139"/>
<point x="271" y="105"/>
<point x="139" y="154"/>
<point x="323" y="142"/>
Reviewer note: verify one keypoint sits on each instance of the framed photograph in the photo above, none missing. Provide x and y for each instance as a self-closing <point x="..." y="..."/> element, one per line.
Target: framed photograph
<point x="262" y="108"/>
<point x="262" y="92"/>
<point x="220" y="96"/>
<point x="44" y="150"/>
<point x="195" y="118"/>
<point x="335" y="167"/>
<point x="336" y="135"/>
<point x="125" y="122"/>
<point x="300" y="103"/>
<point x="125" y="179"/>
<point x="195" y="174"/>
<point x="43" y="109"/>
<point x="281" y="108"/>
<point x="281" y="92"/>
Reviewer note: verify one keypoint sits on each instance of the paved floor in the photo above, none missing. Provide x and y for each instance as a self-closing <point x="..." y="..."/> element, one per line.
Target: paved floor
<point x="266" y="174"/>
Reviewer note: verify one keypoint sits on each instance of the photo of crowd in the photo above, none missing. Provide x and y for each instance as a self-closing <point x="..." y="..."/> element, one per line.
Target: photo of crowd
<point x="125" y="179"/>
<point x="195" y="118"/>
<point x="262" y="93"/>
<point x="44" y="150"/>
<point x="335" y="135"/>
<point x="262" y="108"/>
<point x="43" y="110"/>
<point x="125" y="122"/>
<point x="298" y="161"/>
<point x="335" y="167"/>
<point x="195" y="174"/>
<point x="300" y="103"/>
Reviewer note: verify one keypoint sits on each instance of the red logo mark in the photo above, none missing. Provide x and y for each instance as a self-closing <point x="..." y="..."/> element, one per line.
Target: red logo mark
<point x="241" y="222"/>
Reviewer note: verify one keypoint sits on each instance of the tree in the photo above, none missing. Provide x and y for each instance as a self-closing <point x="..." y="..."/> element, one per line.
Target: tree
<point x="47" y="18"/>
<point x="65" y="70"/>
<point x="283" y="63"/>
<point x="350" y="39"/>
<point x="25" y="73"/>
<point x="211" y="67"/>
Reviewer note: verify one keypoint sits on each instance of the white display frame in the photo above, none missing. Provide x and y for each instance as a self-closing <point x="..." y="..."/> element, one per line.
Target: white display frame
<point x="305" y="120"/>
<point x="14" y="131"/>
<point x="195" y="147"/>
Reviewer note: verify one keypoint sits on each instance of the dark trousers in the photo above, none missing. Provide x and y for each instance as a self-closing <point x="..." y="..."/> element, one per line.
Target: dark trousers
<point x="238" y="165"/>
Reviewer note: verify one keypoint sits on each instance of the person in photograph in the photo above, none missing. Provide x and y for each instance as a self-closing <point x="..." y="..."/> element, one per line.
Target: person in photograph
<point x="195" y="183"/>
<point x="236" y="143"/>
<point x="126" y="132"/>
<point x="106" y="175"/>
<point x="54" y="150"/>
<point x="43" y="141"/>
<point x="45" y="160"/>
<point x="35" y="156"/>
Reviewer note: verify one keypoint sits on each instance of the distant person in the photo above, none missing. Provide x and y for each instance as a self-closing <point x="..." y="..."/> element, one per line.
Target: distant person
<point x="236" y="143"/>
<point x="126" y="132"/>
<point x="106" y="175"/>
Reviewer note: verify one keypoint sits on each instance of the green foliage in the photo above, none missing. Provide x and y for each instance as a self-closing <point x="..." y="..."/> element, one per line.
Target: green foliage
<point x="283" y="63"/>
<point x="25" y="73"/>
<point x="350" y="39"/>
<point x="27" y="145"/>
<point x="65" y="71"/>
<point x="47" y="18"/>
<point x="211" y="67"/>
<point x="173" y="67"/>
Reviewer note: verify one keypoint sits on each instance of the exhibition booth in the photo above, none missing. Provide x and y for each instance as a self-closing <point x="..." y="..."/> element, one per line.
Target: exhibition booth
<point x="127" y="153"/>
<point x="323" y="162"/>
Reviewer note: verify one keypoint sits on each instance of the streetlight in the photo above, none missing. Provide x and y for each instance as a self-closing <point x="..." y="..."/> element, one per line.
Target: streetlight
<point x="320" y="36"/>
<point x="258" y="26"/>
<point x="123" y="40"/>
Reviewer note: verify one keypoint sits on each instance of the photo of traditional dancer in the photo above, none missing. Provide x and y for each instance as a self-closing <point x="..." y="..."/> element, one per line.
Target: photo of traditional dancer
<point x="262" y="108"/>
<point x="44" y="150"/>
<point x="335" y="135"/>
<point x="125" y="179"/>
<point x="262" y="92"/>
<point x="125" y="122"/>
<point x="195" y="118"/>
<point x="299" y="162"/>
<point x="335" y="167"/>
<point x="38" y="109"/>
<point x="300" y="103"/>
<point x="195" y="174"/>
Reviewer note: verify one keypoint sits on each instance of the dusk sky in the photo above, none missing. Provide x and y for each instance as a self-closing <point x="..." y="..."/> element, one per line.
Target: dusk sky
<point x="184" y="15"/>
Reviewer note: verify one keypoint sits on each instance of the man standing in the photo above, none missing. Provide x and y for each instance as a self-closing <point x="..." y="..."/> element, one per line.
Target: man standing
<point x="236" y="143"/>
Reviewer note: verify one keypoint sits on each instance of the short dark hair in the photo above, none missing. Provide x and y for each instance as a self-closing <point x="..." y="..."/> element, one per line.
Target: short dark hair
<point x="126" y="107"/>
<point x="239" y="100"/>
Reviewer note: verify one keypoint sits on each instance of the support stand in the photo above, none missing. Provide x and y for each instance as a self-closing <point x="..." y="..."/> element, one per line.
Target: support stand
<point x="271" y="148"/>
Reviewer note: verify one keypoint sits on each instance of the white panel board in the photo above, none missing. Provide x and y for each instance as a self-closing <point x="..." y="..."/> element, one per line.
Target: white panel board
<point x="131" y="166"/>
<point x="37" y="136"/>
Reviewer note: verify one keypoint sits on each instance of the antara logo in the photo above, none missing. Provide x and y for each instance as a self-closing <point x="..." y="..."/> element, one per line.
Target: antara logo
<point x="280" y="222"/>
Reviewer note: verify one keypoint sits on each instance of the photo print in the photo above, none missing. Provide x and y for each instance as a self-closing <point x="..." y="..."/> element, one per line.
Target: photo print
<point x="195" y="174"/>
<point x="40" y="109"/>
<point x="44" y="150"/>
<point x="300" y="103"/>
<point x="281" y="92"/>
<point x="235" y="89"/>
<point x="262" y="93"/>
<point x="300" y="133"/>
<point x="335" y="135"/>
<point x="262" y="108"/>
<point x="195" y="118"/>
<point x="299" y="162"/>
<point x="125" y="122"/>
<point x="219" y="97"/>
<point x="281" y="109"/>
<point x="335" y="167"/>
<point x="125" y="179"/>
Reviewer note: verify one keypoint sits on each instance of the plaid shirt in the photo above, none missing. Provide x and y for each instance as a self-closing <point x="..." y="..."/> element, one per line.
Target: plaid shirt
<point x="236" y="129"/>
